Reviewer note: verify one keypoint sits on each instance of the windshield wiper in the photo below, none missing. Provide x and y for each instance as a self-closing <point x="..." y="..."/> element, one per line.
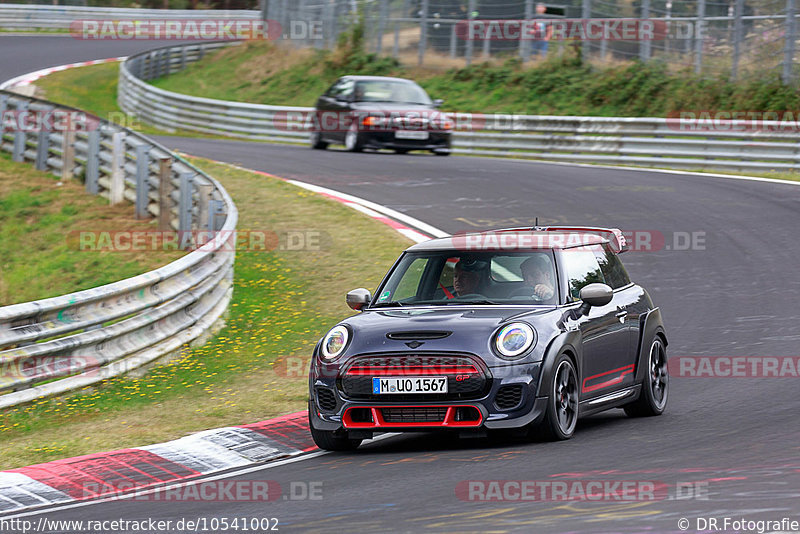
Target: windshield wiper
<point x="456" y="301"/>
<point x="387" y="304"/>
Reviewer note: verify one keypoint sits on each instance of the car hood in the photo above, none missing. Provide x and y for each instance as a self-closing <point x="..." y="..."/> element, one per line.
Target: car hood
<point x="470" y="329"/>
<point x="390" y="107"/>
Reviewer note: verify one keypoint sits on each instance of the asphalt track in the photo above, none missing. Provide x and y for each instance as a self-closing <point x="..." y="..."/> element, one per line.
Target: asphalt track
<point x="735" y="296"/>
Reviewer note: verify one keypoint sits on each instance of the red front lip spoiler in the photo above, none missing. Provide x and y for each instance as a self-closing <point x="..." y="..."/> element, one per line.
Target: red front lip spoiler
<point x="378" y="420"/>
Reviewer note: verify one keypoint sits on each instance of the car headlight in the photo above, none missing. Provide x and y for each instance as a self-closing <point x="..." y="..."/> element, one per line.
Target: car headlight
<point x="334" y="342"/>
<point x="514" y="339"/>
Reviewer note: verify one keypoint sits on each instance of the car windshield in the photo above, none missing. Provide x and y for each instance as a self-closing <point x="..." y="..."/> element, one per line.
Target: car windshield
<point x="452" y="277"/>
<point x="396" y="91"/>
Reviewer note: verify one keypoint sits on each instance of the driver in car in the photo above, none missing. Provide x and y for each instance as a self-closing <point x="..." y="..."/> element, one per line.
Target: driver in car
<point x="537" y="272"/>
<point x="467" y="277"/>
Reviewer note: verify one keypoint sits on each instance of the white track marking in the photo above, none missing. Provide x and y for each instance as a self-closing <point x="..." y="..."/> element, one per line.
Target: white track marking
<point x="299" y="457"/>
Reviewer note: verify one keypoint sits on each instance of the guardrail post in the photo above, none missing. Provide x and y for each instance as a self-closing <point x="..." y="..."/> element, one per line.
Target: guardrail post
<point x="3" y="107"/>
<point x="148" y="66"/>
<point x="423" y="32"/>
<point x="42" y="146"/>
<point x="67" y="153"/>
<point x="788" y="50"/>
<point x="185" y="208"/>
<point x="165" y="194"/>
<point x="142" y="181"/>
<point x="116" y="193"/>
<point x="183" y="57"/>
<point x="19" y="135"/>
<point x="163" y="63"/>
<point x="215" y="209"/>
<point x="204" y="192"/>
<point x="93" y="162"/>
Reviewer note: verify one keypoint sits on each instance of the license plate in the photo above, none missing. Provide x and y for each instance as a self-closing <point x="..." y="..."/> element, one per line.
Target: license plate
<point x="428" y="384"/>
<point x="411" y="134"/>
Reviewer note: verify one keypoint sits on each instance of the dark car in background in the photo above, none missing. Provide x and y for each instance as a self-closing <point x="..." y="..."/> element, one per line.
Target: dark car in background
<point x="523" y="329"/>
<point x="379" y="112"/>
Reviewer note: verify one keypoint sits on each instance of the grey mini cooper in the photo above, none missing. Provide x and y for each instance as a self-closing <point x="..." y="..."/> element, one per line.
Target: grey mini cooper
<point x="523" y="329"/>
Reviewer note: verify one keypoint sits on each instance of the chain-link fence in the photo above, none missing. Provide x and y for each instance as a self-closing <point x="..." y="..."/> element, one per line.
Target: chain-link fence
<point x="718" y="37"/>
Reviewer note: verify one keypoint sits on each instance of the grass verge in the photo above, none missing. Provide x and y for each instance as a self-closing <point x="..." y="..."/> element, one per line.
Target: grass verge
<point x="93" y="88"/>
<point x="264" y="72"/>
<point x="39" y="216"/>
<point x="284" y="300"/>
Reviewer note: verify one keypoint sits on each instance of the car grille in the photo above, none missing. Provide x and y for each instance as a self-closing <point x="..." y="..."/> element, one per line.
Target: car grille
<point x="466" y="377"/>
<point x="431" y="414"/>
<point x="326" y="399"/>
<point x="508" y="397"/>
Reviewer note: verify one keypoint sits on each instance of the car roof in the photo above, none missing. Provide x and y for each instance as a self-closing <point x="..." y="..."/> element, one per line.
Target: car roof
<point x="509" y="240"/>
<point x="376" y="78"/>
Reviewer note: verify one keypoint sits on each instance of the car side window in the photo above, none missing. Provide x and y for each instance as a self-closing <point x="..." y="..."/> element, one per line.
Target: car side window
<point x="582" y="269"/>
<point x="342" y="89"/>
<point x="332" y="89"/>
<point x="613" y="271"/>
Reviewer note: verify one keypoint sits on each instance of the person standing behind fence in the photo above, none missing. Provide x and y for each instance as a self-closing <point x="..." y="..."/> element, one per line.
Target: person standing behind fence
<point x="541" y="33"/>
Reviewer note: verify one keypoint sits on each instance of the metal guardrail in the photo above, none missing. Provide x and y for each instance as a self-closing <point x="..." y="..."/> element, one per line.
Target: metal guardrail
<point x="650" y="142"/>
<point x="27" y="17"/>
<point x="60" y="344"/>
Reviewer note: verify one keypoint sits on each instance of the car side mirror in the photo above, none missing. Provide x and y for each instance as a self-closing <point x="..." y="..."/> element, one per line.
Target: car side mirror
<point x="437" y="103"/>
<point x="595" y="295"/>
<point x="358" y="298"/>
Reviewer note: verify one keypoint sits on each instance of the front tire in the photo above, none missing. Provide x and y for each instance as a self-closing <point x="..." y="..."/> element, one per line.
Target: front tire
<point x="353" y="140"/>
<point x="561" y="415"/>
<point x="316" y="142"/>
<point x="329" y="440"/>
<point x="655" y="388"/>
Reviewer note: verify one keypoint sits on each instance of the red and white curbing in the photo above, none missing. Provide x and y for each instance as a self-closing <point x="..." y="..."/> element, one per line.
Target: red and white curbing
<point x="125" y="471"/>
<point x="29" y="78"/>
